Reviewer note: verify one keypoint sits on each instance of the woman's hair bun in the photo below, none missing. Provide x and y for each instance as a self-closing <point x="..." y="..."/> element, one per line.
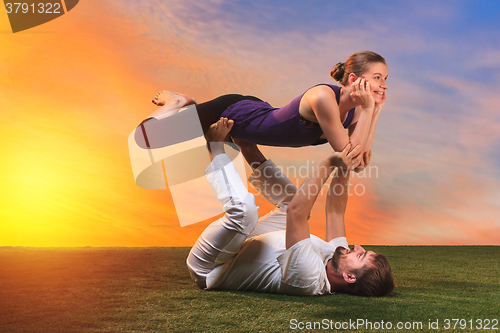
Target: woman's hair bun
<point x="357" y="63"/>
<point x="338" y="71"/>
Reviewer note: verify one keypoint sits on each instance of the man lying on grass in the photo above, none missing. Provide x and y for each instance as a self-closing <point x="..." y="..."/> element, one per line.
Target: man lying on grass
<point x="276" y="253"/>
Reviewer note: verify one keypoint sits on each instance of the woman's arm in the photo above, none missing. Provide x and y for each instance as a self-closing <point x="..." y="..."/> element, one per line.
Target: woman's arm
<point x="322" y="102"/>
<point x="324" y="105"/>
<point x="371" y="134"/>
<point x="360" y="131"/>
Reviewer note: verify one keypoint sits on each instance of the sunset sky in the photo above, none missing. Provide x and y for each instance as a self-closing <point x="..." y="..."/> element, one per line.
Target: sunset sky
<point x="73" y="89"/>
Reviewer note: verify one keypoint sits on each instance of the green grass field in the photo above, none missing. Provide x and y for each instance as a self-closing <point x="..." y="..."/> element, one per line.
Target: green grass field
<point x="149" y="290"/>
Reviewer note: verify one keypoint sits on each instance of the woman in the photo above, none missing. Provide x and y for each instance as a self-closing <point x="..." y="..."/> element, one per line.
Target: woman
<point x="319" y="115"/>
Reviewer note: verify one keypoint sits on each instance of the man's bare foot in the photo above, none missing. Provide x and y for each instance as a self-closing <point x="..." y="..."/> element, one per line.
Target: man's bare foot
<point x="218" y="132"/>
<point x="167" y="97"/>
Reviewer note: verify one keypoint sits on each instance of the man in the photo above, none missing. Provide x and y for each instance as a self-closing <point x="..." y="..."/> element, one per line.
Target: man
<point x="276" y="253"/>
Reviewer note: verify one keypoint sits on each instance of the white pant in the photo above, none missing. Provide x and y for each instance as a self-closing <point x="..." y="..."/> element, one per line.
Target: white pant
<point x="223" y="238"/>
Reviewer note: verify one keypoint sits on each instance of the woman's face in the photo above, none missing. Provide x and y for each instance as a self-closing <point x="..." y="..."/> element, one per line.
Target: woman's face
<point x="377" y="76"/>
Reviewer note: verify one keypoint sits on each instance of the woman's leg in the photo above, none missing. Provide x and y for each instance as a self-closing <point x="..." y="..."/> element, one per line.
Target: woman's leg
<point x="208" y="112"/>
<point x="211" y="111"/>
<point x="167" y="97"/>
<point x="171" y="102"/>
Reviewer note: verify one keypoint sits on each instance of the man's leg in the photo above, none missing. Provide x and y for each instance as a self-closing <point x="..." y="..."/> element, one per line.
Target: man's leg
<point x="268" y="179"/>
<point x="222" y="239"/>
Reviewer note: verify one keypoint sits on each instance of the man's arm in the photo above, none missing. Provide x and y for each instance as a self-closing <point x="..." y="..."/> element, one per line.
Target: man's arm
<point x="336" y="204"/>
<point x="297" y="227"/>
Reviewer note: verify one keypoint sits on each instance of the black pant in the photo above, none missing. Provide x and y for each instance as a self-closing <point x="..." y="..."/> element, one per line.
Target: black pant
<point x="211" y="111"/>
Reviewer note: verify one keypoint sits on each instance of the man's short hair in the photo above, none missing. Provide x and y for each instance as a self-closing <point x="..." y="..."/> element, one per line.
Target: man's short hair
<point x="374" y="279"/>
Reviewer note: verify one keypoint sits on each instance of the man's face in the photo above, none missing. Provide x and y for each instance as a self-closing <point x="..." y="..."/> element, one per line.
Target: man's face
<point x="348" y="260"/>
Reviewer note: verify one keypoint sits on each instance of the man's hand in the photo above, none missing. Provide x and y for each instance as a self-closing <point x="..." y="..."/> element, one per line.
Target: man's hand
<point x="347" y="159"/>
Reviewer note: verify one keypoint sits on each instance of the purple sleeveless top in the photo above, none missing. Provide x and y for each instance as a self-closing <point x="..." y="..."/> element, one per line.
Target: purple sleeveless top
<point x="260" y="123"/>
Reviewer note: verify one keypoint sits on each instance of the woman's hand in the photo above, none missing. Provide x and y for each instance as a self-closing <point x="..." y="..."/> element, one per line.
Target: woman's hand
<point x="364" y="163"/>
<point x="362" y="93"/>
<point x="378" y="106"/>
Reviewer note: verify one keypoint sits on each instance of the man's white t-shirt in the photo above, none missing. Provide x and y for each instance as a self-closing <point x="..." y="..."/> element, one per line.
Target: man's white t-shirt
<point x="263" y="264"/>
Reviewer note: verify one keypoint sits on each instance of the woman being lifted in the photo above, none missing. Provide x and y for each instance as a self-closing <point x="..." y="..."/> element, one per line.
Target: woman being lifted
<point x="318" y="116"/>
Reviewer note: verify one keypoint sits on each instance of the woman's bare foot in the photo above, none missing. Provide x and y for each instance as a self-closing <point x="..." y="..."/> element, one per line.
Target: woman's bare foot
<point x="217" y="135"/>
<point x="178" y="100"/>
